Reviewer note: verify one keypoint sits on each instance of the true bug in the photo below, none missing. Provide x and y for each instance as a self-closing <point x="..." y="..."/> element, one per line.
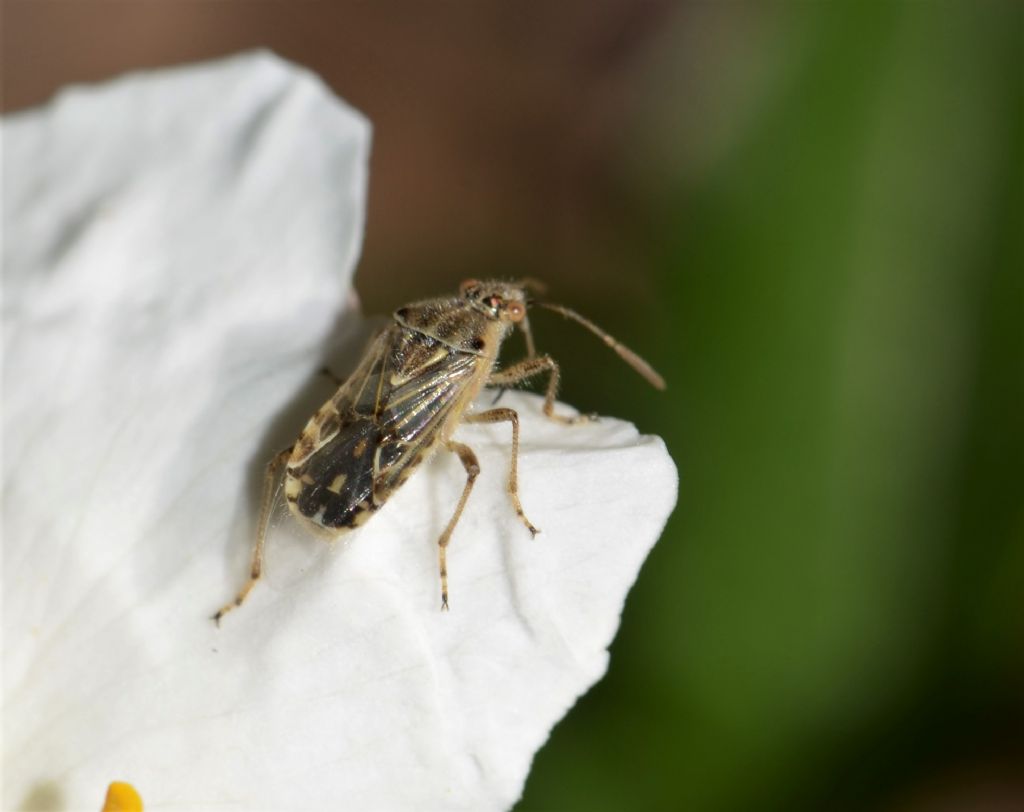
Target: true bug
<point x="413" y="387"/>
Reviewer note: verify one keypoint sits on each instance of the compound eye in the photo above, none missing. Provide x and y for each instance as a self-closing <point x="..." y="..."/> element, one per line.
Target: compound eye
<point x="468" y="287"/>
<point x="516" y="311"/>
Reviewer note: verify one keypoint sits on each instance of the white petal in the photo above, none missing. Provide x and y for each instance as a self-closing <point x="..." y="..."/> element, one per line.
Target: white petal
<point x="179" y="249"/>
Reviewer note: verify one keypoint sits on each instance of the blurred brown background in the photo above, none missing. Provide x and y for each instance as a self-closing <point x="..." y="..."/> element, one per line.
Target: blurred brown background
<point x="809" y="216"/>
<point x="495" y="124"/>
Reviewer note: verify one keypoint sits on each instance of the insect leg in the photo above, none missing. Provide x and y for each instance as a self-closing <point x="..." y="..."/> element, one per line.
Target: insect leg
<point x="531" y="348"/>
<point x="469" y="462"/>
<point x="498" y="416"/>
<point x="529" y="367"/>
<point x="531" y="352"/>
<point x="267" y="502"/>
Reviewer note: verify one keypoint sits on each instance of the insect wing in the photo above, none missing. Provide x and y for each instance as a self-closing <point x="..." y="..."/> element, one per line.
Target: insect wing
<point x="426" y="382"/>
<point x="335" y="483"/>
<point x="378" y="426"/>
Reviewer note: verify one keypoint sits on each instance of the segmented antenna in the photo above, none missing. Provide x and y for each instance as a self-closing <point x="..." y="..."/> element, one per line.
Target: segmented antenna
<point x="624" y="352"/>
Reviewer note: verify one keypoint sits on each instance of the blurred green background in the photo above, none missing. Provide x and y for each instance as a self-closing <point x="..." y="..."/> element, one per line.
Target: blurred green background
<point x="809" y="217"/>
<point x="833" y="618"/>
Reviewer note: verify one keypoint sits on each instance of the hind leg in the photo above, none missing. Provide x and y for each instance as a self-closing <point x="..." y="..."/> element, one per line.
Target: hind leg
<point x="267" y="502"/>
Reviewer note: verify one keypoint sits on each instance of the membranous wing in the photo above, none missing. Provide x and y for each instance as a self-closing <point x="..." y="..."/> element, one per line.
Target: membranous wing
<point x="370" y="436"/>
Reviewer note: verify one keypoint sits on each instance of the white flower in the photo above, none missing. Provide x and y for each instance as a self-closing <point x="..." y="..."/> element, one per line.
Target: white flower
<point x="178" y="255"/>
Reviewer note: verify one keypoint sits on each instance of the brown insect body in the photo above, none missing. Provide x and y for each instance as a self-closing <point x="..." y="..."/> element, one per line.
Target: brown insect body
<point x="415" y="384"/>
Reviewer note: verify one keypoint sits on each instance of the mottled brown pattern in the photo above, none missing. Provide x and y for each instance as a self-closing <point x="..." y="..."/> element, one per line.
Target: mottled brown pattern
<point x="455" y="322"/>
<point x="412" y="388"/>
<point x="329" y="427"/>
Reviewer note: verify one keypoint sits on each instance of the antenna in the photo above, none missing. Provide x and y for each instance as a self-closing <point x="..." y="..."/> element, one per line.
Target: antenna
<point x="624" y="352"/>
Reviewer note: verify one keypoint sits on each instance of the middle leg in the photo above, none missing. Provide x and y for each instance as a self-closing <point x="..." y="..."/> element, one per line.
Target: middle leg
<point x="469" y="462"/>
<point x="510" y="415"/>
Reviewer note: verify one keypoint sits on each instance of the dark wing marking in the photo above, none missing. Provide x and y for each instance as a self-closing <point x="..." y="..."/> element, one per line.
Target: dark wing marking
<point x="337" y="480"/>
<point x="389" y="413"/>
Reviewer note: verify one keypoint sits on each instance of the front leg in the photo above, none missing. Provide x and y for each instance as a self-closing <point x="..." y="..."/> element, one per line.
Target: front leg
<point x="529" y="367"/>
<point x="531" y="353"/>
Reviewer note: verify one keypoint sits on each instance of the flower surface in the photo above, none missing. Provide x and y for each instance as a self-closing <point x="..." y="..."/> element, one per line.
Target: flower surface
<point x="178" y="264"/>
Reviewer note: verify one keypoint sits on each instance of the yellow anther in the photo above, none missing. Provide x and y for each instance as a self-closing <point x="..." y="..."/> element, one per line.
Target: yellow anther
<point x="122" y="797"/>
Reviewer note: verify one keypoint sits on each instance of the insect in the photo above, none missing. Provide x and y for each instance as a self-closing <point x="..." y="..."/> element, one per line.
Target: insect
<point x="413" y="387"/>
